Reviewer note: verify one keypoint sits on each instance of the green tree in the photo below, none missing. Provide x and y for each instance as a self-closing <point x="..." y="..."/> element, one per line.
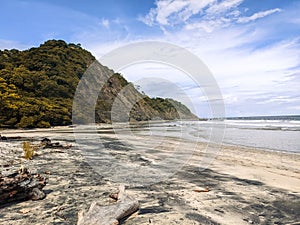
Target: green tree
<point x="9" y="102"/>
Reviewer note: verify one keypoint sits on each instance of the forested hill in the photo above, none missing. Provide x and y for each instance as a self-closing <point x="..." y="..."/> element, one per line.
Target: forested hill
<point x="37" y="87"/>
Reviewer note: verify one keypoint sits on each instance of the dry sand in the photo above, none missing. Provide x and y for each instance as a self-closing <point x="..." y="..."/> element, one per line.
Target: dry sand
<point x="246" y="186"/>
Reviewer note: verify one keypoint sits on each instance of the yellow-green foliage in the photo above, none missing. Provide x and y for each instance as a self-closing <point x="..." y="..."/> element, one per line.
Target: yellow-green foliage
<point x="37" y="85"/>
<point x="28" y="150"/>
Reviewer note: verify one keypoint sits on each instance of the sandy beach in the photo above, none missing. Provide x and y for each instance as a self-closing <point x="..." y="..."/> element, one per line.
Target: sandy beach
<point x="246" y="185"/>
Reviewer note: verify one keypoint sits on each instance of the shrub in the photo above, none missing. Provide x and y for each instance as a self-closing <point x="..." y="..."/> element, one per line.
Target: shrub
<point x="28" y="150"/>
<point x="43" y="124"/>
<point x="26" y="122"/>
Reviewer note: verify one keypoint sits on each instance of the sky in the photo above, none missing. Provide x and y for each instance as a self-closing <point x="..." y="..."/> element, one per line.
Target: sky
<point x="251" y="47"/>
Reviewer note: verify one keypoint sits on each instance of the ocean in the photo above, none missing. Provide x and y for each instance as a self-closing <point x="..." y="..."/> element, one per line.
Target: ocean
<point x="278" y="133"/>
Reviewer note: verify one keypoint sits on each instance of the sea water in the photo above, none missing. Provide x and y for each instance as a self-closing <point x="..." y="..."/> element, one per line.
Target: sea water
<point x="279" y="133"/>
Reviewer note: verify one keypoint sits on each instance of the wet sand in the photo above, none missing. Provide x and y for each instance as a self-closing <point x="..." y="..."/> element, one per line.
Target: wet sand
<point x="246" y="186"/>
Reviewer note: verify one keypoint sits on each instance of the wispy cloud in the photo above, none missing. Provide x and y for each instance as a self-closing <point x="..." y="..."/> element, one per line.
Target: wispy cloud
<point x="207" y="14"/>
<point x="172" y="12"/>
<point x="258" y="15"/>
<point x="223" y="7"/>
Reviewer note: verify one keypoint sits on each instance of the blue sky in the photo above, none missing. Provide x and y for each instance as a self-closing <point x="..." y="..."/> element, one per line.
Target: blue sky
<point x="251" y="47"/>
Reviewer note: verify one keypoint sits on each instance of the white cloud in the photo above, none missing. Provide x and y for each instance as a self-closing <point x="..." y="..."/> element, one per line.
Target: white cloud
<point x="223" y="7"/>
<point x="258" y="15"/>
<point x="174" y="11"/>
<point x="207" y="25"/>
<point x="149" y="19"/>
<point x="206" y="15"/>
<point x="166" y="8"/>
<point x="105" y="23"/>
<point x="194" y="7"/>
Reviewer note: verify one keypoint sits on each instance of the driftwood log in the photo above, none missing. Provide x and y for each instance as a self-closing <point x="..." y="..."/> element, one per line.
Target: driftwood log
<point x="111" y="214"/>
<point x="21" y="185"/>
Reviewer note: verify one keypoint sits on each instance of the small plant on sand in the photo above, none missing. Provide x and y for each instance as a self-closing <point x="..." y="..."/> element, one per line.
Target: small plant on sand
<point x="28" y="150"/>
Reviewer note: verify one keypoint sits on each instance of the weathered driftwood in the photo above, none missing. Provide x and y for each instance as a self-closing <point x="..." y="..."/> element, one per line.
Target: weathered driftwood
<point x="21" y="185"/>
<point x="111" y="214"/>
<point x="200" y="189"/>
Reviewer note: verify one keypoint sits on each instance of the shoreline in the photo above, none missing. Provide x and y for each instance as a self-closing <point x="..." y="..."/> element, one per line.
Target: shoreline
<point x="10" y="132"/>
<point x="262" y="149"/>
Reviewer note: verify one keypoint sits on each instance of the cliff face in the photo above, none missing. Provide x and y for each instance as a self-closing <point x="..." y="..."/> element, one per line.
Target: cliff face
<point x="37" y="87"/>
<point x="119" y="101"/>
